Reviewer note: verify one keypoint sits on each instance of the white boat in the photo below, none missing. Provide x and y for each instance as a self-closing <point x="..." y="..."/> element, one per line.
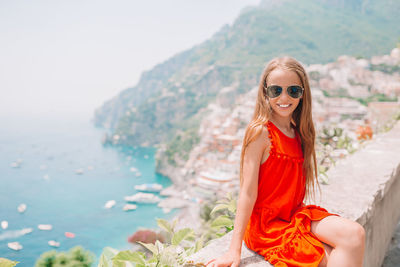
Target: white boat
<point x="129" y="207"/>
<point x="53" y="243"/>
<point x="21" y="208"/>
<point x="149" y="187"/>
<point x="109" y="204"/>
<point x="16" y="164"/>
<point x="133" y="169"/>
<point x="4" y="224"/>
<point x="79" y="171"/>
<point x="14" y="245"/>
<point x="45" y="227"/>
<point x="43" y="167"/>
<point x="166" y="210"/>
<point x="26" y="231"/>
<point x="143" y="198"/>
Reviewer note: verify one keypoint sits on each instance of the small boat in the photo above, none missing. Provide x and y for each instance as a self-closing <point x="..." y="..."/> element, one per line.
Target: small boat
<point x="138" y="174"/>
<point x="109" y="204"/>
<point x="46" y="177"/>
<point x="21" y="208"/>
<point x="146" y="156"/>
<point x="53" y="243"/>
<point x="149" y="187"/>
<point x="69" y="234"/>
<point x="43" y="167"/>
<point x="26" y="231"/>
<point x="129" y="207"/>
<point x="14" y="245"/>
<point x="166" y="210"/>
<point x="16" y="164"/>
<point x="133" y="169"/>
<point x="79" y="171"/>
<point x="45" y="227"/>
<point x="143" y="198"/>
<point x="4" y="224"/>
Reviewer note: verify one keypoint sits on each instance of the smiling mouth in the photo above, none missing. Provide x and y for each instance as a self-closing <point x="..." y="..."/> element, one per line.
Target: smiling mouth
<point x="284" y="106"/>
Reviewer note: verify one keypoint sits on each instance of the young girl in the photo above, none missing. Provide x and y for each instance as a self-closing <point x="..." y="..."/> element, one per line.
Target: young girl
<point x="277" y="170"/>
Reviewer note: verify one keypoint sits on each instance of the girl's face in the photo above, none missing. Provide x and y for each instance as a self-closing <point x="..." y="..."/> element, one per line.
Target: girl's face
<point x="283" y="78"/>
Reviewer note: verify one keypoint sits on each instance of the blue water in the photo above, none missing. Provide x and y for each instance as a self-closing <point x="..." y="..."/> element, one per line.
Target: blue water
<point x="70" y="202"/>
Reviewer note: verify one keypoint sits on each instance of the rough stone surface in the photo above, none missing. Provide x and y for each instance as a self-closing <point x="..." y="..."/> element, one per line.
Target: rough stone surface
<point x="219" y="246"/>
<point x="363" y="187"/>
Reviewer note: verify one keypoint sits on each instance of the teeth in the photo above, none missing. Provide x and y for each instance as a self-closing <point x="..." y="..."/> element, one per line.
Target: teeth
<point x="283" y="106"/>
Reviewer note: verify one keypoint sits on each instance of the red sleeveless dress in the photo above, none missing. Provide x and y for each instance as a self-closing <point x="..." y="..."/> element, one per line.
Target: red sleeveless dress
<point x="280" y="224"/>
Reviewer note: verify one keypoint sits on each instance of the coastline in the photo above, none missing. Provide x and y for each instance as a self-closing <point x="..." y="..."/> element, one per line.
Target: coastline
<point x="178" y="197"/>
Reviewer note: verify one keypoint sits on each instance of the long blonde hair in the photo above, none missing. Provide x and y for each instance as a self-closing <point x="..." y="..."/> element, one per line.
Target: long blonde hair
<point x="301" y="120"/>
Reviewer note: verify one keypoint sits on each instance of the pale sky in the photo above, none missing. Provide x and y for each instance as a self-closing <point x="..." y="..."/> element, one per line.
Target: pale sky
<point x="70" y="56"/>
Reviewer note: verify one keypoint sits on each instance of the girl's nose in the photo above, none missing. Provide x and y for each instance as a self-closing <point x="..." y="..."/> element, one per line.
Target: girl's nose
<point x="284" y="95"/>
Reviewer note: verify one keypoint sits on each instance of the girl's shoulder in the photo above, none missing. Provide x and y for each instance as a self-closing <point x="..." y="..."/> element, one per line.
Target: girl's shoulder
<point x="261" y="137"/>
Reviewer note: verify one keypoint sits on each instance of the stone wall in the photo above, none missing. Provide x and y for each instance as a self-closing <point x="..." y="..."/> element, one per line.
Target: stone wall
<point x="363" y="187"/>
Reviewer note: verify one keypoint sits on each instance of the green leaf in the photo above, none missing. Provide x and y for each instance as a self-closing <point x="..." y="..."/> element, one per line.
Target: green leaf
<point x="164" y="224"/>
<point x="159" y="246"/>
<point x="221" y="221"/>
<point x="199" y="244"/>
<point x="228" y="229"/>
<point x="232" y="206"/>
<point x="190" y="251"/>
<point x="150" y="247"/>
<point x="153" y="260"/>
<point x="110" y="252"/>
<point x="106" y="256"/>
<point x="174" y="224"/>
<point x="218" y="207"/>
<point x="103" y="261"/>
<point x="7" y="263"/>
<point x="220" y="234"/>
<point x="127" y="255"/>
<point x="118" y="264"/>
<point x="181" y="235"/>
<point x="169" y="256"/>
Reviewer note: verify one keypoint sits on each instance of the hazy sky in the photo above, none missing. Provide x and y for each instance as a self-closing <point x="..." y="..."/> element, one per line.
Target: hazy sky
<point x="70" y="56"/>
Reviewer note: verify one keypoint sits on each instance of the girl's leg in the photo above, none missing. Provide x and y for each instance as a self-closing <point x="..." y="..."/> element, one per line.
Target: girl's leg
<point x="325" y="259"/>
<point x="346" y="237"/>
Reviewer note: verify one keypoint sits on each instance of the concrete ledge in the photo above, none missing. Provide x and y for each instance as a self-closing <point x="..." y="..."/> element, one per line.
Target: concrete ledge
<point x="364" y="187"/>
<point x="219" y="246"/>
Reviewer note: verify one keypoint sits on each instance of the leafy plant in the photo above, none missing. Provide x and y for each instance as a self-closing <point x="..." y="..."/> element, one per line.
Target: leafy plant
<point x="173" y="253"/>
<point x="7" y="263"/>
<point x="226" y="220"/>
<point x="76" y="257"/>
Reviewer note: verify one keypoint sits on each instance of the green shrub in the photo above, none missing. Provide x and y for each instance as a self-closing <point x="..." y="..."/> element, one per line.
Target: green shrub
<point x="75" y="257"/>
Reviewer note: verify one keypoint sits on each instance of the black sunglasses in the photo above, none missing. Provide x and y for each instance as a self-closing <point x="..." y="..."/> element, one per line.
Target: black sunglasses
<point x="294" y="91"/>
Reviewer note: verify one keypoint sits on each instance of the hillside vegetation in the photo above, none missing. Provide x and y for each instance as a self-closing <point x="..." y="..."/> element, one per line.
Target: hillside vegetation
<point x="165" y="106"/>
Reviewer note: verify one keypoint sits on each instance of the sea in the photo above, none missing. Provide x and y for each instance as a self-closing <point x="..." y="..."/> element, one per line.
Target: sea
<point x="48" y="151"/>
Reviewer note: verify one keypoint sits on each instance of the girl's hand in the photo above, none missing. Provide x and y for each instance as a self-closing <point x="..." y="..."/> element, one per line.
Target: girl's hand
<point x="229" y="259"/>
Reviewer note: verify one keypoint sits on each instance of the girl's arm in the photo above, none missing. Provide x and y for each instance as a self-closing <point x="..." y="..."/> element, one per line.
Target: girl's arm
<point x="247" y="197"/>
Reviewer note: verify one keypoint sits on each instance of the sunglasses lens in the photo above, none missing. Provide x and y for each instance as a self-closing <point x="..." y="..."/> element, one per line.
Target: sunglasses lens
<point x="274" y="91"/>
<point x="295" y="91"/>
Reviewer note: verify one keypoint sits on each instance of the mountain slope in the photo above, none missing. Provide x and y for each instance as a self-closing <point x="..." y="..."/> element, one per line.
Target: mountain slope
<point x="164" y="106"/>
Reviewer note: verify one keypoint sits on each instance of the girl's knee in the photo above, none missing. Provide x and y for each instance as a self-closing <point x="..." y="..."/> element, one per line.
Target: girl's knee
<point x="356" y="235"/>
